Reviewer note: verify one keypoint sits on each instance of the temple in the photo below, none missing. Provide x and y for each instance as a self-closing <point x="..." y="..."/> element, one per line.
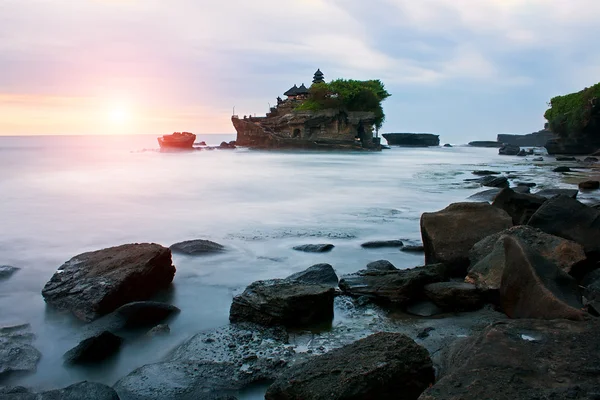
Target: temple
<point x="286" y="126"/>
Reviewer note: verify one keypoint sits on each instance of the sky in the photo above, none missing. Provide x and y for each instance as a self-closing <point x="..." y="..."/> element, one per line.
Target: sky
<point x="463" y="69"/>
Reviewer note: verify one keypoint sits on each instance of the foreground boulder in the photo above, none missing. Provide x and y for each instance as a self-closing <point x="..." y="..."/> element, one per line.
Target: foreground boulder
<point x="314" y="248"/>
<point x="283" y="302"/>
<point x="381" y="366"/>
<point x="549" y="193"/>
<point x="197" y="247"/>
<point x="454" y="296"/>
<point x="518" y="205"/>
<point x="568" y="218"/>
<point x="17" y="355"/>
<point x="82" y="390"/>
<point x="534" y="287"/>
<point x="449" y="234"/>
<point x="399" y="287"/>
<point x="97" y="283"/>
<point x="488" y="260"/>
<point x="490" y="194"/>
<point x="94" y="349"/>
<point x="524" y="360"/>
<point x="321" y="274"/>
<point x="381" y="265"/>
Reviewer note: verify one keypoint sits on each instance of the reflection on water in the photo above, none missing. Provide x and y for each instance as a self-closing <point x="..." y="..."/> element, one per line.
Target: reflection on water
<point x="65" y="195"/>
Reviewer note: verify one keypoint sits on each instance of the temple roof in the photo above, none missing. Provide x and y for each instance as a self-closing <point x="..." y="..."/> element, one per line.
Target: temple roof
<point x="318" y="78"/>
<point x="302" y="90"/>
<point x="292" y="92"/>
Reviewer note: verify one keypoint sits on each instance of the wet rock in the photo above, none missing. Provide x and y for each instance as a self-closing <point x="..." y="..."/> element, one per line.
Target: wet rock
<point x="537" y="159"/>
<point x="449" y="234"/>
<point x="566" y="159"/>
<point x="523" y="359"/>
<point x="509" y="150"/>
<point x="485" y="172"/>
<point x="568" y="218"/>
<point x="381" y="265"/>
<point x="17" y="355"/>
<point x="314" y="248"/>
<point x="82" y="390"/>
<point x="549" y="193"/>
<point x="6" y="271"/>
<point x="454" y="296"/>
<point x="488" y="255"/>
<point x="493" y="181"/>
<point x="425" y="333"/>
<point x="527" y="184"/>
<point x="322" y="274"/>
<point x="448" y="145"/>
<point x="535" y="287"/>
<point x="283" y="302"/>
<point x="518" y="205"/>
<point x="96" y="283"/>
<point x="522" y="153"/>
<point x="16" y="393"/>
<point x="399" y="287"/>
<point x="424" y="308"/>
<point x="589" y="185"/>
<point x="490" y="194"/>
<point x="94" y="349"/>
<point x="590" y="159"/>
<point x="382" y="243"/>
<point x="197" y="247"/>
<point x="381" y="366"/>
<point x="225" y="145"/>
<point x="562" y="169"/>
<point x="413" y="249"/>
<point x="159" y="330"/>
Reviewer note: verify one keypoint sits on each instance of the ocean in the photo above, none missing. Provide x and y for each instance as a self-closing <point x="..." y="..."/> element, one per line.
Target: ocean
<point x="64" y="195"/>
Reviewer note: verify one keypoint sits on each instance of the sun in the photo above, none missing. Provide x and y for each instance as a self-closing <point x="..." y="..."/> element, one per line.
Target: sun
<point x="119" y="114"/>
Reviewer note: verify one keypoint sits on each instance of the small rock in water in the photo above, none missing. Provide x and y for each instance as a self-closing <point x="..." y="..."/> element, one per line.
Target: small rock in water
<point x="381" y="265"/>
<point x="314" y="248"/>
<point x="382" y="243"/>
<point x="485" y="172"/>
<point x="197" y="247"/>
<point x="589" y="185"/>
<point x="538" y="159"/>
<point x="159" y="330"/>
<point x="6" y="271"/>
<point x="94" y="349"/>
<point x="527" y="184"/>
<point x="590" y="159"/>
<point x="413" y="249"/>
<point x="425" y="333"/>
<point x="448" y="145"/>
<point x="562" y="169"/>
<point x="566" y="159"/>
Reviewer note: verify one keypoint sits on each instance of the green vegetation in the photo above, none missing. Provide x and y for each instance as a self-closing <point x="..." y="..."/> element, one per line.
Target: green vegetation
<point x="351" y="95"/>
<point x="571" y="115"/>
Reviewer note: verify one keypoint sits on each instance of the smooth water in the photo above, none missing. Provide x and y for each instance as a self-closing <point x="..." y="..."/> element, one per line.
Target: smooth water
<point x="61" y="196"/>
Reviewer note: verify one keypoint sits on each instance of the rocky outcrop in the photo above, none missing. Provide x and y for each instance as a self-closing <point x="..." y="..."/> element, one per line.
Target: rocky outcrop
<point x="449" y="234"/>
<point x="412" y="139"/>
<point x="535" y="287"/>
<point x="17" y="355"/>
<point x="518" y="205"/>
<point x="82" y="390"/>
<point x="549" y="193"/>
<point x="509" y="150"/>
<point x="523" y="359"/>
<point x="6" y="271"/>
<point x="283" y="302"/>
<point x="96" y="283"/>
<point x="382" y="366"/>
<point x="197" y="247"/>
<point x="568" y="218"/>
<point x="488" y="256"/>
<point x="314" y="248"/>
<point x="568" y="146"/>
<point x="485" y="143"/>
<point x="319" y="274"/>
<point x="94" y="349"/>
<point x="535" y="139"/>
<point x="454" y="296"/>
<point x="395" y="286"/>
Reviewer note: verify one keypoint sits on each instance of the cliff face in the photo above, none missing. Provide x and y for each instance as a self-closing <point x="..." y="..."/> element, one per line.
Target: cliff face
<point x="412" y="139"/>
<point x="535" y="139"/>
<point x="333" y="129"/>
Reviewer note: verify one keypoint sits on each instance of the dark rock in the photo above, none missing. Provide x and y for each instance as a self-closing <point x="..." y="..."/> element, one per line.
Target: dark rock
<point x="527" y="184"/>
<point x="314" y="248"/>
<point x="6" y="271"/>
<point x="488" y="256"/>
<point x="382" y="243"/>
<point x="492" y="181"/>
<point x="202" y="143"/>
<point x="413" y="249"/>
<point x="425" y="333"/>
<point x="591" y="285"/>
<point x="381" y="366"/>
<point x="424" y="308"/>
<point x="412" y="139"/>
<point x="449" y="234"/>
<point x="535" y="139"/>
<point x="94" y="349"/>
<point x="538" y="159"/>
<point x="562" y="169"/>
<point x="579" y="147"/>
<point x="519" y="206"/>
<point x="548" y="193"/>
<point x="448" y="145"/>
<point x="490" y="194"/>
<point x="283" y="302"/>
<point x="535" y="287"/>
<point x="322" y="274"/>
<point x="454" y="296"/>
<point x="589" y="185"/>
<point x="485" y="172"/>
<point x="590" y="159"/>
<point x="509" y="150"/>
<point x="159" y="330"/>
<point x="197" y="247"/>
<point x="568" y="218"/>
<point x="522" y="153"/>
<point x="381" y="265"/>
<point x="523" y="359"/>
<point x="399" y="287"/>
<point x="485" y="143"/>
<point x="566" y="159"/>
<point x="82" y="390"/>
<point x="17" y="355"/>
<point x="97" y="283"/>
<point x="225" y="145"/>
<point x="17" y="393"/>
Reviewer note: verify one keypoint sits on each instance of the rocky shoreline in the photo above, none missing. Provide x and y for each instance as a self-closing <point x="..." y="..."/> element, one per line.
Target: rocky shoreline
<point x="505" y="305"/>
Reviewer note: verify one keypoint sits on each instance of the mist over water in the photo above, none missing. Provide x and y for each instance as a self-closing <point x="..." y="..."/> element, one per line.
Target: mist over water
<point x="61" y="196"/>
